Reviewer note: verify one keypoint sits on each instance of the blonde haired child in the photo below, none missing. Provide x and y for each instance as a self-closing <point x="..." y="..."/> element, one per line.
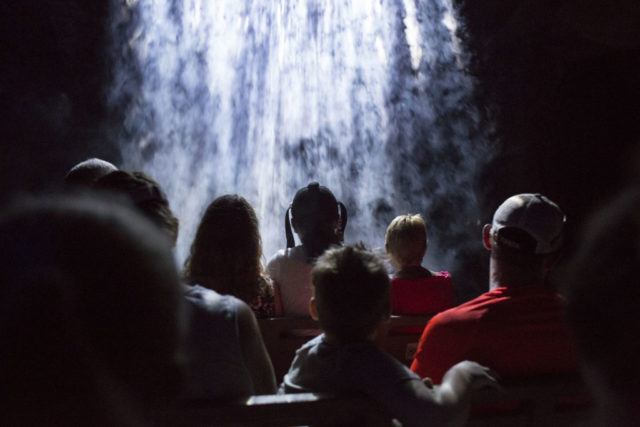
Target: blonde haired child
<point x="414" y="289"/>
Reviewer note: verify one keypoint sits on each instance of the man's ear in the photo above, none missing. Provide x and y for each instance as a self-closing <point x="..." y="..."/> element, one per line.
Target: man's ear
<point x="313" y="310"/>
<point x="486" y="236"/>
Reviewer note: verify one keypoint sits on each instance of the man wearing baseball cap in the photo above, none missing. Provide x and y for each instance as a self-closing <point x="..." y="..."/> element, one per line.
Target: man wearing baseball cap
<point x="517" y="328"/>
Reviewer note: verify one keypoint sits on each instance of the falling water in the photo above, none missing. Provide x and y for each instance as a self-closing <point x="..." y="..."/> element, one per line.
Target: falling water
<point x="258" y="98"/>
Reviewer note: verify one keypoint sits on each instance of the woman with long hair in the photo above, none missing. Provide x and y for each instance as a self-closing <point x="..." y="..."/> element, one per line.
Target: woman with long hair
<point x="226" y="255"/>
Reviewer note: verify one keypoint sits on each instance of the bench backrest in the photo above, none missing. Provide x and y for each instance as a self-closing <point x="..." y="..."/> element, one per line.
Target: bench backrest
<point x="537" y="402"/>
<point x="283" y="336"/>
<point x="545" y="401"/>
<point x="282" y="410"/>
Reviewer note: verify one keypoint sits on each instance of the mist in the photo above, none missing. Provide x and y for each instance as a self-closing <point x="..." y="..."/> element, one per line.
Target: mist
<point x="368" y="97"/>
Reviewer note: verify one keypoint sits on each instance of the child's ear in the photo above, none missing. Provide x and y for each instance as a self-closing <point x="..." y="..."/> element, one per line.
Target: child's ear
<point x="313" y="310"/>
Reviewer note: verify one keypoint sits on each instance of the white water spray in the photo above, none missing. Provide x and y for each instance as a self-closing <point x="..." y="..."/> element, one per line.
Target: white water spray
<point x="261" y="97"/>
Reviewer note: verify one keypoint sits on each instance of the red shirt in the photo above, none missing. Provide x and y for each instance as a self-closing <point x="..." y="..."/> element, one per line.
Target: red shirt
<point x="422" y="295"/>
<point x="516" y="332"/>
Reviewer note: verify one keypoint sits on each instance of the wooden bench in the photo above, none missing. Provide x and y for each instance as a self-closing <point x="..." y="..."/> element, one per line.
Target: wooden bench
<point x="541" y="402"/>
<point x="545" y="401"/>
<point x="283" y="336"/>
<point x="281" y="410"/>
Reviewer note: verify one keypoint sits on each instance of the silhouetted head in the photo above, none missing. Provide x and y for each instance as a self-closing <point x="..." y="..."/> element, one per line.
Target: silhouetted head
<point x="146" y="195"/>
<point x="318" y="219"/>
<point x="226" y="252"/>
<point x="406" y="240"/>
<point x="524" y="238"/>
<point x="603" y="292"/>
<point x="86" y="173"/>
<point x="351" y="293"/>
<point x="90" y="314"/>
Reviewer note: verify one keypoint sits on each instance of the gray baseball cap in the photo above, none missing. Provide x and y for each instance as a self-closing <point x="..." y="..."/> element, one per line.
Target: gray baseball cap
<point x="540" y="218"/>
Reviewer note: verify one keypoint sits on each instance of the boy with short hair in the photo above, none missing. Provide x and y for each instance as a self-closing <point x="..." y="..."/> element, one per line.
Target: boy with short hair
<point x="351" y="301"/>
<point x="414" y="289"/>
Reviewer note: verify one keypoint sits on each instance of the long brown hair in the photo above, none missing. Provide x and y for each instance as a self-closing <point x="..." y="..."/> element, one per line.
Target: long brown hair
<point x="226" y="251"/>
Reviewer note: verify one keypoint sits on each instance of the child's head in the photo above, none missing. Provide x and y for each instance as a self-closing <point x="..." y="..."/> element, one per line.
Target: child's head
<point x="351" y="293"/>
<point x="406" y="240"/>
<point x="318" y="219"/>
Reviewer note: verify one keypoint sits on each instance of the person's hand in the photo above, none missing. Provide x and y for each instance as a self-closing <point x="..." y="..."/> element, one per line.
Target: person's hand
<point x="473" y="374"/>
<point x="458" y="386"/>
<point x="427" y="381"/>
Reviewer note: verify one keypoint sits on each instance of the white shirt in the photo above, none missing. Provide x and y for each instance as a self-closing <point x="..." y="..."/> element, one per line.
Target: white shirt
<point x="291" y="272"/>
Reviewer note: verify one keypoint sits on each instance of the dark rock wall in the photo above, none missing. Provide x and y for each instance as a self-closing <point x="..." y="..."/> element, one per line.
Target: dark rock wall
<point x="561" y="83"/>
<point x="54" y="73"/>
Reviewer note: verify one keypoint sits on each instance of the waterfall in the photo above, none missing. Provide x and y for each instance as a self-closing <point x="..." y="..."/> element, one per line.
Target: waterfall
<point x="260" y="97"/>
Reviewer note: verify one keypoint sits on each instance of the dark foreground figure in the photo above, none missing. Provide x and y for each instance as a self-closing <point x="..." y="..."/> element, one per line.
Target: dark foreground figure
<point x="90" y="314"/>
<point x="603" y="295"/>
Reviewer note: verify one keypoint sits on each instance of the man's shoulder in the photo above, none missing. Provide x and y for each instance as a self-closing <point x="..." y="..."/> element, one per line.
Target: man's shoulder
<point x="471" y="310"/>
<point x="201" y="295"/>
<point x="449" y="318"/>
<point x="512" y="298"/>
<point x="497" y="303"/>
<point x="210" y="301"/>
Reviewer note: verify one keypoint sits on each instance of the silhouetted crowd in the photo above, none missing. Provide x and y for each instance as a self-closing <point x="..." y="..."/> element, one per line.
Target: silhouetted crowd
<point x="99" y="327"/>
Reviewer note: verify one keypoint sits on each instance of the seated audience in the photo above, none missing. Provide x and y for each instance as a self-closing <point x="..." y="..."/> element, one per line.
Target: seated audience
<point x="602" y="296"/>
<point x="90" y="315"/>
<point x="319" y="220"/>
<point x="414" y="289"/>
<point x="225" y="352"/>
<point x="225" y="255"/>
<point x="517" y="328"/>
<point x="86" y="173"/>
<point x="351" y="302"/>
